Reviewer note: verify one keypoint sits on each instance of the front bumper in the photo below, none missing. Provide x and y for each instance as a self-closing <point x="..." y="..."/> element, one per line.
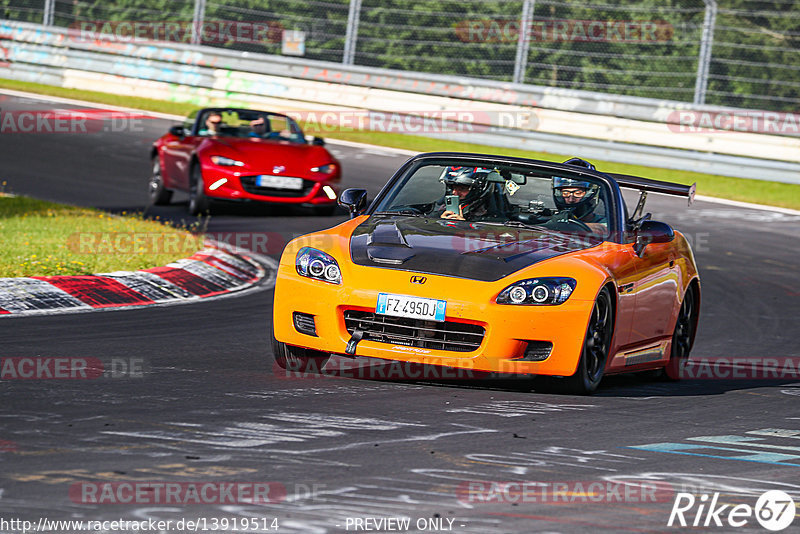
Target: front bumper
<point x="228" y="184"/>
<point x="508" y="329"/>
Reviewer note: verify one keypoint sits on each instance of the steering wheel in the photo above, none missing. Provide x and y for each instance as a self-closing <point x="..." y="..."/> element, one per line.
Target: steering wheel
<point x="567" y="218"/>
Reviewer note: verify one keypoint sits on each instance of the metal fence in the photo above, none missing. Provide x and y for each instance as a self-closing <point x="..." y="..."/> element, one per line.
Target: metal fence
<point x="740" y="53"/>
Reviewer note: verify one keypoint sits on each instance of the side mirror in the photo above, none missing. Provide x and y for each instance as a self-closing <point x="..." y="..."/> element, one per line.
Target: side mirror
<point x="318" y="141"/>
<point x="355" y="200"/>
<point x="652" y="232"/>
<point x="177" y="131"/>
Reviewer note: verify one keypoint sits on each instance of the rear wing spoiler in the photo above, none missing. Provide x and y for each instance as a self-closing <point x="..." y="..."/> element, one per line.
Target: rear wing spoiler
<point x="655" y="186"/>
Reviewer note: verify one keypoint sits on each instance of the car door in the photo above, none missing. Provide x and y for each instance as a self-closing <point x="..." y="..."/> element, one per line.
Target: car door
<point x="655" y="289"/>
<point x="177" y="153"/>
<point x="622" y="265"/>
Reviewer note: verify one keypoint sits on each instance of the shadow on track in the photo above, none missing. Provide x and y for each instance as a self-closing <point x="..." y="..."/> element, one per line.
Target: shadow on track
<point x="644" y="384"/>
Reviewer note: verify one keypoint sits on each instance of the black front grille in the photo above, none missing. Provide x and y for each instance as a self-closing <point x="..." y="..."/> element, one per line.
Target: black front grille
<point x="447" y="335"/>
<point x="536" y="351"/>
<point x="304" y="323"/>
<point x="249" y="185"/>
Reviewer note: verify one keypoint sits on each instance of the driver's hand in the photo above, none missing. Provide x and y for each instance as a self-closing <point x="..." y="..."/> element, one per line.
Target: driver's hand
<point x="451" y="215"/>
<point x="562" y="216"/>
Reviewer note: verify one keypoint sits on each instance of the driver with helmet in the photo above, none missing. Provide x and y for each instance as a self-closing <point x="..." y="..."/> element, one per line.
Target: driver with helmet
<point x="471" y="186"/>
<point x="577" y="199"/>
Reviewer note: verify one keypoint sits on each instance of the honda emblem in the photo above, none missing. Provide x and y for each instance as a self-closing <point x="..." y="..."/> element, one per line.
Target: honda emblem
<point x="418" y="279"/>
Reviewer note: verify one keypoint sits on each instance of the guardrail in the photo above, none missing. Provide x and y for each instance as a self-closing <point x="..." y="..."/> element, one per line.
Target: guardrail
<point x="578" y="101"/>
<point x="616" y="128"/>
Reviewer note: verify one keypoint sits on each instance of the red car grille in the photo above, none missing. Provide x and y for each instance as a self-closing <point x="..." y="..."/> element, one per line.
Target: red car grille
<point x="447" y="335"/>
<point x="249" y="185"/>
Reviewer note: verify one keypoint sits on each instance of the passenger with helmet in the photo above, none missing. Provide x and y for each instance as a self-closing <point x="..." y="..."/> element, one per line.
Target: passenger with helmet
<point x="577" y="199"/>
<point x="472" y="187"/>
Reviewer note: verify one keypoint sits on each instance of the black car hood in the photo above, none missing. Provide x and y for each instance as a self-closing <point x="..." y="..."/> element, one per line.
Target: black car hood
<point x="477" y="251"/>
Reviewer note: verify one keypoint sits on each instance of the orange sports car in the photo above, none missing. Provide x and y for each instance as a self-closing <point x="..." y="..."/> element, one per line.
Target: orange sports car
<point x="494" y="264"/>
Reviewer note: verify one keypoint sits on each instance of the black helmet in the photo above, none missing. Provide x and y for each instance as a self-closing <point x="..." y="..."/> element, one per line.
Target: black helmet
<point x="476" y="178"/>
<point x="585" y="205"/>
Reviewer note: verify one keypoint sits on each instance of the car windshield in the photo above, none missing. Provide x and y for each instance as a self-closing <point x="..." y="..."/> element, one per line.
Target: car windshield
<point x="508" y="194"/>
<point x="251" y="124"/>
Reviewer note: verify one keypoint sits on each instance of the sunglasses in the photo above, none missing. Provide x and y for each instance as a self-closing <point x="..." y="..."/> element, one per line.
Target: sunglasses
<point x="577" y="194"/>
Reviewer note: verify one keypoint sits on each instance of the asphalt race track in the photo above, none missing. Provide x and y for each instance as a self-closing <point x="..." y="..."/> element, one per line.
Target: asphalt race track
<point x="199" y="401"/>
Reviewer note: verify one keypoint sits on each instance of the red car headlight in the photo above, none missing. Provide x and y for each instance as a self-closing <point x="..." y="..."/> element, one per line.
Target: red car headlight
<point x="328" y="168"/>
<point x="226" y="162"/>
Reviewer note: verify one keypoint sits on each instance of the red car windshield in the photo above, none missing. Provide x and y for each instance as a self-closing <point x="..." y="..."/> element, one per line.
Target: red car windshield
<point x="250" y="124"/>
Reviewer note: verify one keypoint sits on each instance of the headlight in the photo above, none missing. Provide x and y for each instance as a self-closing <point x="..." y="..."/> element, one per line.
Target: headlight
<point x="226" y="162"/>
<point x="330" y="168"/>
<point x="538" y="291"/>
<point x="316" y="264"/>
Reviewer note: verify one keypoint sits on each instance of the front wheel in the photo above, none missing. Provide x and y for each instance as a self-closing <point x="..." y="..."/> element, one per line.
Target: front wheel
<point x="298" y="359"/>
<point x="198" y="201"/>
<point x="596" y="346"/>
<point x="158" y="194"/>
<point x="683" y="336"/>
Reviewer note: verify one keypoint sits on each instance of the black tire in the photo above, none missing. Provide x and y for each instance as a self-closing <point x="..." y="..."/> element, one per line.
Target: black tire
<point x="596" y="346"/>
<point x="159" y="195"/>
<point x="297" y="359"/>
<point x="683" y="336"/>
<point x="198" y="201"/>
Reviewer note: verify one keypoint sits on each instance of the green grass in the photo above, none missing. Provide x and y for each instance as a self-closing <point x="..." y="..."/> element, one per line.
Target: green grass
<point x="176" y="108"/>
<point x="43" y="238"/>
<point x="758" y="191"/>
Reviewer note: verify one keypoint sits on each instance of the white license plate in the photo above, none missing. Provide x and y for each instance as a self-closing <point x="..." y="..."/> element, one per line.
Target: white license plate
<point x="411" y="307"/>
<point x="279" y="182"/>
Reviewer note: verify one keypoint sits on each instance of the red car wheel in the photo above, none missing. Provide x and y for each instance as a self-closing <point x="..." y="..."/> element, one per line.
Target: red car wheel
<point x="159" y="195"/>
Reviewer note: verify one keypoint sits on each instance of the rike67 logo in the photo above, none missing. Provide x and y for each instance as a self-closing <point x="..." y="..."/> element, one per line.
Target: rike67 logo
<point x="774" y="511"/>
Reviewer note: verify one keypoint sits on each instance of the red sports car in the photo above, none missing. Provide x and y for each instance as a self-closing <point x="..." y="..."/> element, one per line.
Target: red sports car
<point x="243" y="155"/>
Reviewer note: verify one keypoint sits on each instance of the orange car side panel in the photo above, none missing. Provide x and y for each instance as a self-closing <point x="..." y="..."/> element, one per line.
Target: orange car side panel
<point x="659" y="292"/>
